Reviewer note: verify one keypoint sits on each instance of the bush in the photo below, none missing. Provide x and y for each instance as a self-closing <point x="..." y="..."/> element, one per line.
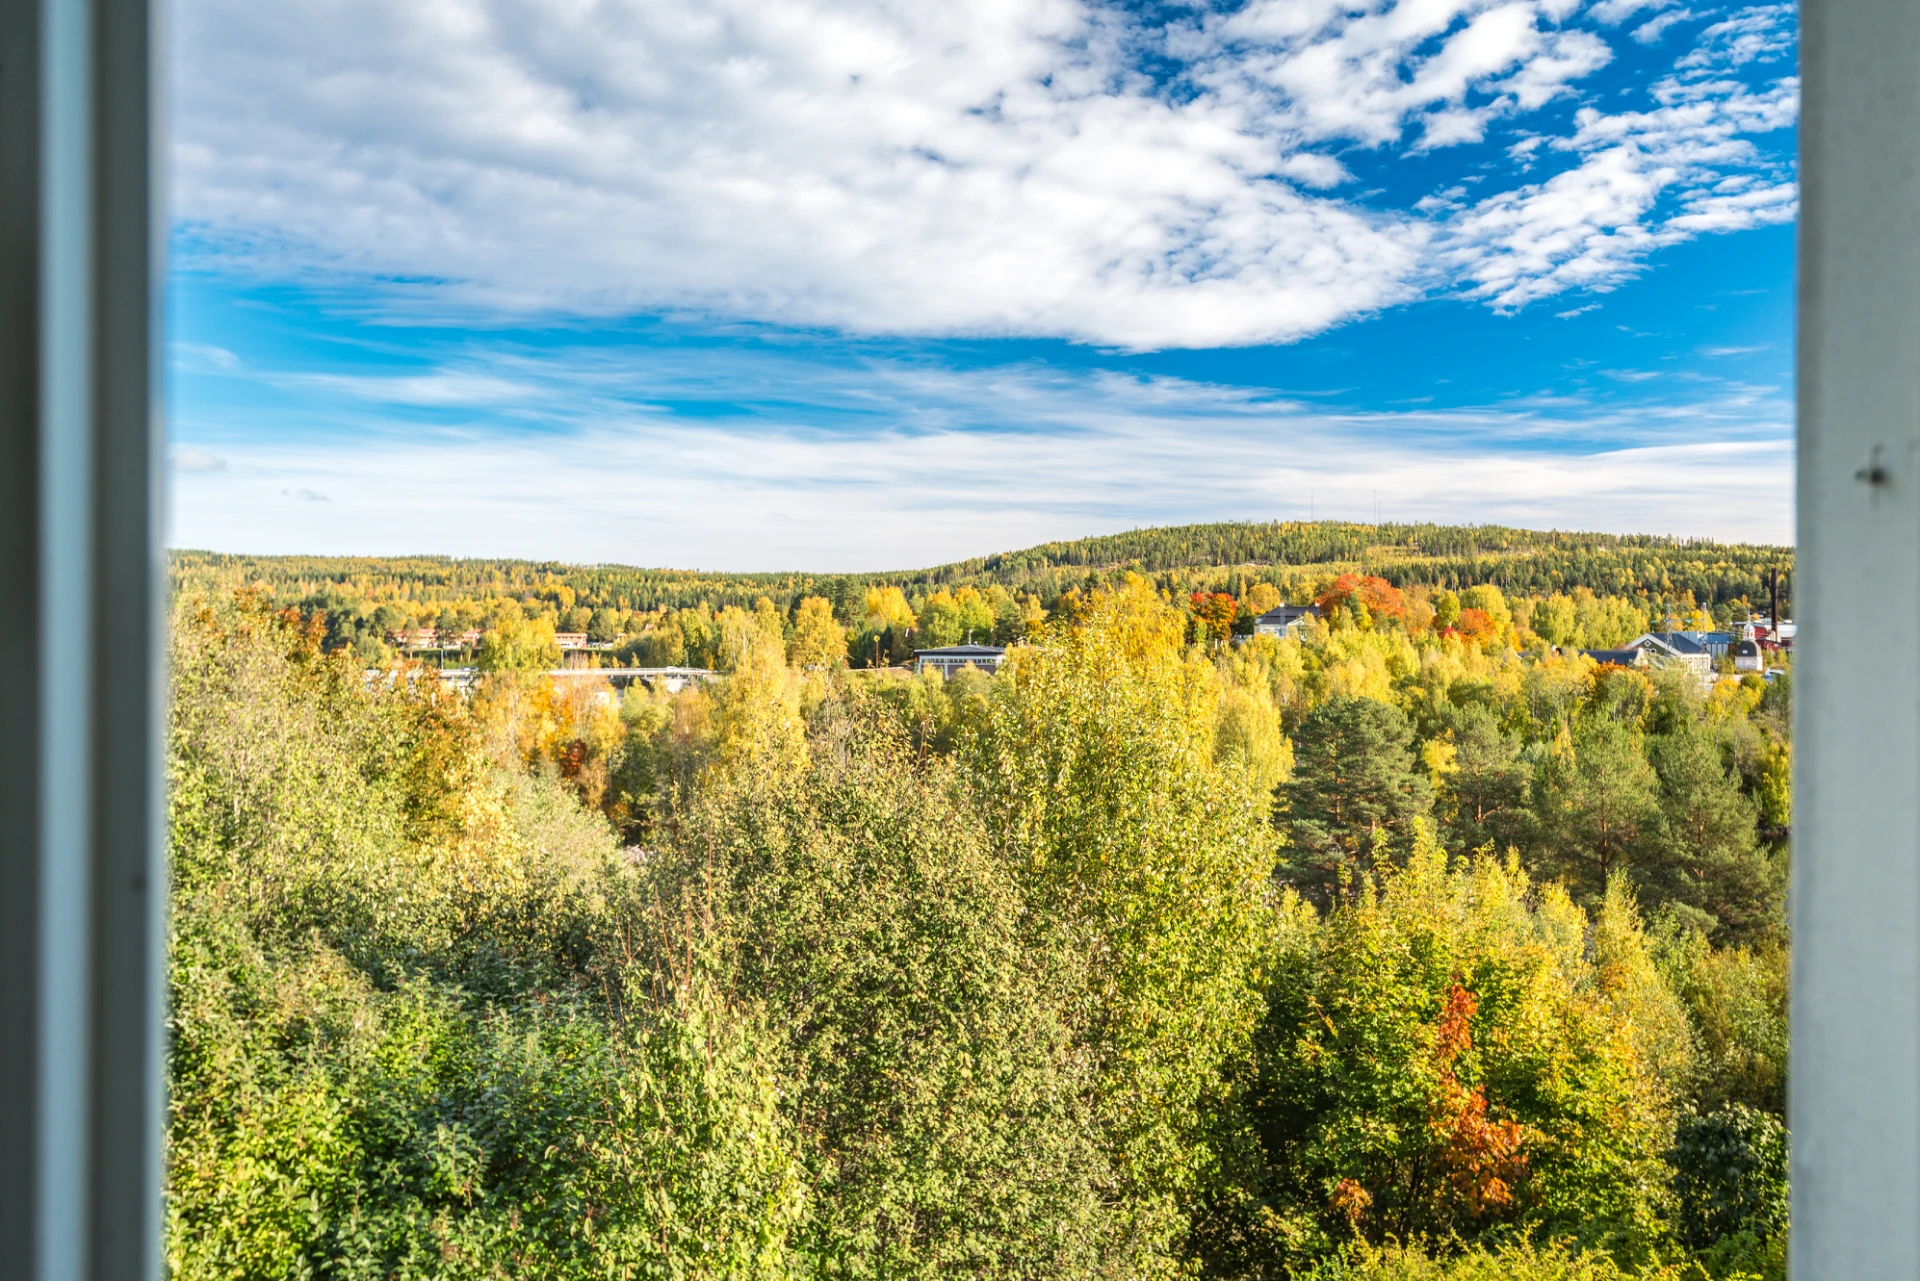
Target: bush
<point x="1455" y="1053"/>
<point x="1730" y="1176"/>
<point x="943" y="1107"/>
<point x="401" y="1044"/>
<point x="1518" y="1261"/>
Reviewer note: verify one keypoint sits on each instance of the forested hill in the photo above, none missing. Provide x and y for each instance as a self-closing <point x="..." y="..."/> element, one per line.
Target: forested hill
<point x="1292" y="555"/>
<point x="1451" y="555"/>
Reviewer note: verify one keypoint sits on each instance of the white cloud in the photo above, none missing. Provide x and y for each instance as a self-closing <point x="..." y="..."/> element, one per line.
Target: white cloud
<point x="1005" y="167"/>
<point x="1651" y="30"/>
<point x="1758" y="34"/>
<point x="1645" y="179"/>
<point x="1615" y="12"/>
<point x="906" y="500"/>
<point x="925" y="464"/>
<point x="202" y="357"/>
<point x="191" y="461"/>
<point x="877" y="166"/>
<point x="1325" y="71"/>
<point x="442" y="389"/>
<point x="1735" y="211"/>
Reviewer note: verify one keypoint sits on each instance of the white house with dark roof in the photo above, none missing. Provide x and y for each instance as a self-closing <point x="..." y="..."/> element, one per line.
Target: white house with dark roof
<point x="1675" y="649"/>
<point x="1285" y="620"/>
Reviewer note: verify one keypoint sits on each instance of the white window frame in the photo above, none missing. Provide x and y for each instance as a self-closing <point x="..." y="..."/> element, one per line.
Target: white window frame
<point x="1854" y="1084"/>
<point x="81" y="686"/>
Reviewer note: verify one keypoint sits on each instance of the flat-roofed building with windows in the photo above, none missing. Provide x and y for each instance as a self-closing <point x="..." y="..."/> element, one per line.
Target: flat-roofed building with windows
<point x="948" y="659"/>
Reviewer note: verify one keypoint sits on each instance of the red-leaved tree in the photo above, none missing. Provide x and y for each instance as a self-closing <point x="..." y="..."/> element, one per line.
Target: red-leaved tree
<point x="1382" y="599"/>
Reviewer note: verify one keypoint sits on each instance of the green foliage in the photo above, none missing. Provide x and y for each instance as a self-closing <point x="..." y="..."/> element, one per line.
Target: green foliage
<point x="1708" y="858"/>
<point x="1516" y="1261"/>
<point x="944" y="1106"/>
<point x="1598" y="804"/>
<point x="1730" y="1176"/>
<point x="933" y="711"/>
<point x="995" y="975"/>
<point x="954" y="618"/>
<point x="391" y="1052"/>
<point x="1736" y="998"/>
<point x="1355" y="792"/>
<point x="519" y="645"/>
<point x="1145" y="860"/>
<point x="1628" y="573"/>
<point x="350" y="1132"/>
<point x="1486" y="799"/>
<point x="1454" y="1053"/>
<point x="1583" y="620"/>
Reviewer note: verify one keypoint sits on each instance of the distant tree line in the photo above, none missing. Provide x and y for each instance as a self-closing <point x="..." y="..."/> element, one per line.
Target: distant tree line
<point x="664" y="617"/>
<point x="1654" y="573"/>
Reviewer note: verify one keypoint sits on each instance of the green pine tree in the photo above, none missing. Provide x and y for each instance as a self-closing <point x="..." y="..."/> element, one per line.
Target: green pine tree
<point x="1354" y="795"/>
<point x="1598" y="804"/>
<point x="1709" y="860"/>
<point x="1486" y="797"/>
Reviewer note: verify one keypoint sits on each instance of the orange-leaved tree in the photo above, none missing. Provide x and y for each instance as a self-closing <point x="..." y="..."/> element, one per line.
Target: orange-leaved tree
<point x="1381" y="598"/>
<point x="1477" y="625"/>
<point x="1482" y="1158"/>
<point x="1215" y="612"/>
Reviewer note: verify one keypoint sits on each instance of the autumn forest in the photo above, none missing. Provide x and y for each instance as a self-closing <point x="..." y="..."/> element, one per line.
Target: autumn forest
<point x="1411" y="943"/>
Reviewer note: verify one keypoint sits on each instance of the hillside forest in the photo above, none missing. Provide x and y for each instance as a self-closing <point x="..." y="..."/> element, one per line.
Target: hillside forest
<point x="1414" y="946"/>
<point x="662" y="618"/>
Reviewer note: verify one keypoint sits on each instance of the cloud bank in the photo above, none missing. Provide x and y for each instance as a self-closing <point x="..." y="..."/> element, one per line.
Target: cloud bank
<point x="1002" y="168"/>
<point x="895" y="464"/>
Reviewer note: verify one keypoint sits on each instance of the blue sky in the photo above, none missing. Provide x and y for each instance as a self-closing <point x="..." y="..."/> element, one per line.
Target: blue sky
<point x="840" y="284"/>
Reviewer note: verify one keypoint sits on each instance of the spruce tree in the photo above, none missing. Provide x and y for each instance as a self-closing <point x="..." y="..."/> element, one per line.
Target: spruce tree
<point x="1354" y="795"/>
<point x="1709" y="860"/>
<point x="1598" y="804"/>
<point x="1486" y="798"/>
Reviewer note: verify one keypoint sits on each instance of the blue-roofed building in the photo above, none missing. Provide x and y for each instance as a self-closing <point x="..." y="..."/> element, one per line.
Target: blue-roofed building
<point x="1717" y="644"/>
<point x="1675" y="649"/>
